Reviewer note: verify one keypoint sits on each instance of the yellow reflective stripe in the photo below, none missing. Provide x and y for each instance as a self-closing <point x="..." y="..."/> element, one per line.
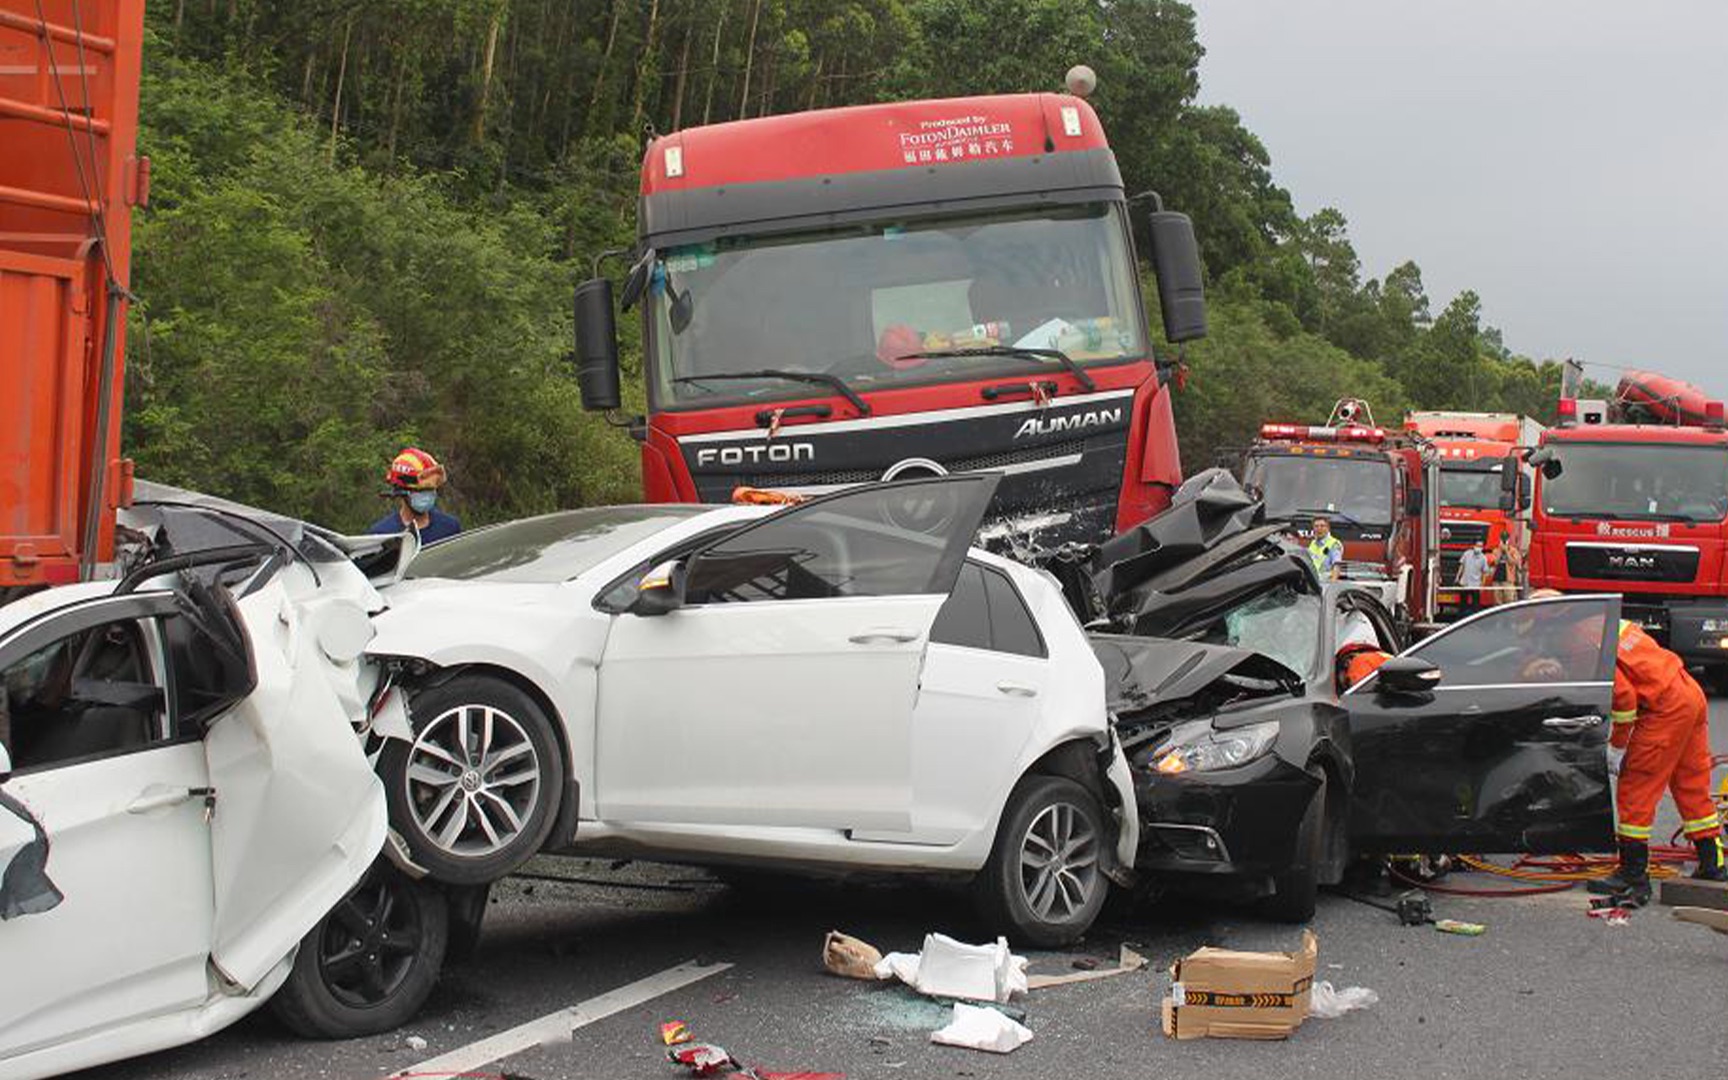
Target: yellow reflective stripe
<point x="1626" y="626"/>
<point x="1633" y="832"/>
<point x="1625" y="716"/>
<point x="1710" y="822"/>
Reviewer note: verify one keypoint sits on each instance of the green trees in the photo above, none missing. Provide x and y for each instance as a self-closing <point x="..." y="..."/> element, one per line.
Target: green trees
<point x="367" y="218"/>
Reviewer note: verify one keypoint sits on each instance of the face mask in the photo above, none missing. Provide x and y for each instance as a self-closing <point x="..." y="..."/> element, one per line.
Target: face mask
<point x="422" y="502"/>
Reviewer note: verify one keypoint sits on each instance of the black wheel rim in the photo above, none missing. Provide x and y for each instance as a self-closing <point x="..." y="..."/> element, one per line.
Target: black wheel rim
<point x="369" y="943"/>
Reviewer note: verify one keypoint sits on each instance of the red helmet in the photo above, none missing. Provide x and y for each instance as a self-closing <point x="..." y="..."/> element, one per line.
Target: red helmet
<point x="414" y="470"/>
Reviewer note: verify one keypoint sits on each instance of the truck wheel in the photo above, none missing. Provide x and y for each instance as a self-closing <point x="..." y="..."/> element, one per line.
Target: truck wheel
<point x="1044" y="884"/>
<point x="369" y="964"/>
<point x="1296" y="890"/>
<point x="476" y="792"/>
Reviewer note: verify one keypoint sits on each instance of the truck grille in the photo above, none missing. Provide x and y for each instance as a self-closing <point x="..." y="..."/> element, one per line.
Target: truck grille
<point x="975" y="463"/>
<point x="1461" y="534"/>
<point x="1632" y="562"/>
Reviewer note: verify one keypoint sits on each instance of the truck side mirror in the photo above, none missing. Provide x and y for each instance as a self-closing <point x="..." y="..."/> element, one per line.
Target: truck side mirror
<point x="1545" y="459"/>
<point x="1509" y="485"/>
<point x="1176" y="261"/>
<point x="1414" y="501"/>
<point x="596" y="346"/>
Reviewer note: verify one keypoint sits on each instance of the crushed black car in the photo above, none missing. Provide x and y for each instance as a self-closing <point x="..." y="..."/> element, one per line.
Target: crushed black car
<point x="1260" y="776"/>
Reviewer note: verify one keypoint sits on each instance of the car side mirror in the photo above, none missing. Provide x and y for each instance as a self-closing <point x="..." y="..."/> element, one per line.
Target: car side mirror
<point x="1414" y="501"/>
<point x="1176" y="262"/>
<point x="661" y="590"/>
<point x="1408" y="675"/>
<point x="596" y="346"/>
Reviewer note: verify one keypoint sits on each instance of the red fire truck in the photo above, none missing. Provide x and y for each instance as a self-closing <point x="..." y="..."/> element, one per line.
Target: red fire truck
<point x="1637" y="503"/>
<point x="897" y="290"/>
<point x="68" y="181"/>
<point x="1477" y="503"/>
<point x="1373" y="486"/>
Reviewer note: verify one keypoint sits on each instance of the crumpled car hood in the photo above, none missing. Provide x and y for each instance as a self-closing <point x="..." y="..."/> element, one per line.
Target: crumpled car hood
<point x="1140" y="672"/>
<point x="1210" y="548"/>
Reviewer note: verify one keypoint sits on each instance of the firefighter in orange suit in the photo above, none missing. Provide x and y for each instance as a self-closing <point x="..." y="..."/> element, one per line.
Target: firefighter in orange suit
<point x="1660" y="739"/>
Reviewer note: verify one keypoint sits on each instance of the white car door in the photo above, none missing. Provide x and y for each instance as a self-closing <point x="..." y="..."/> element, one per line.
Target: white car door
<point x="781" y="692"/>
<point x="116" y="796"/>
<point x="300" y="813"/>
<point x="985" y="683"/>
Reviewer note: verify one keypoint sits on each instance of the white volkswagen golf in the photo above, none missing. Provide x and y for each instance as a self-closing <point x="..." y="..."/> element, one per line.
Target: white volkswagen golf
<point x="840" y="684"/>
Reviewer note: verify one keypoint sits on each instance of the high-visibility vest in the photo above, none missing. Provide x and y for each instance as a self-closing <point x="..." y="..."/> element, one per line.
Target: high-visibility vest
<point x="1326" y="553"/>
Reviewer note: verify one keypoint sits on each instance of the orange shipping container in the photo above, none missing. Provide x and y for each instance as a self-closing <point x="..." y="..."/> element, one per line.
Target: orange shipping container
<point x="69" y="177"/>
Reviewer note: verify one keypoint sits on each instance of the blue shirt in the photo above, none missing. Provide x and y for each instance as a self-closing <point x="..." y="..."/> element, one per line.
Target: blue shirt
<point x="439" y="526"/>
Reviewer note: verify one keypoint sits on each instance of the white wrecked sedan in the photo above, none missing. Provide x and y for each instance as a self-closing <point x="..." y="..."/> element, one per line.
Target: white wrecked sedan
<point x="188" y="823"/>
<point x="840" y="684"/>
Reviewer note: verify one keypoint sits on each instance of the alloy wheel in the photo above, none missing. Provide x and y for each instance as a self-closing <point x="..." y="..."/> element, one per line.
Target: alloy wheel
<point x="1059" y="862"/>
<point x="369" y="943"/>
<point x="473" y="780"/>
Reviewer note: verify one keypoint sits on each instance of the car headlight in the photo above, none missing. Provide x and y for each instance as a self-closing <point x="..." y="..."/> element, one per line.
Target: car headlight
<point x="1203" y="748"/>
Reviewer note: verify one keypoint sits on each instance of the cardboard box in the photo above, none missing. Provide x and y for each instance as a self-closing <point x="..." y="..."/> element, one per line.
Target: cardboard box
<point x="1240" y="995"/>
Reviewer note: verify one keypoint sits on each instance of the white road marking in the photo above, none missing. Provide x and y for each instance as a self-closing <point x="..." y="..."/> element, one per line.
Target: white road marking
<point x="559" y="1025"/>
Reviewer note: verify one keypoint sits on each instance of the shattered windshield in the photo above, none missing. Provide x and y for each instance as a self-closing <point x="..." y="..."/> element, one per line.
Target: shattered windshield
<point x="857" y="301"/>
<point x="1475" y="489"/>
<point x="1638" y="481"/>
<point x="1357" y="489"/>
<point x="1282" y="624"/>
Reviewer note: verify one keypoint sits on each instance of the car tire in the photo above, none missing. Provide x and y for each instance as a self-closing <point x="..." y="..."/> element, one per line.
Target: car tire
<point x="1296" y="891"/>
<point x="476" y="792"/>
<point x="370" y="963"/>
<point x="1044" y="884"/>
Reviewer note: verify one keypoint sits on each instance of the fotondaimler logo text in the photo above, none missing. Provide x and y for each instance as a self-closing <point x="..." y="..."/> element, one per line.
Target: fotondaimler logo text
<point x="777" y="453"/>
<point x="1039" y="425"/>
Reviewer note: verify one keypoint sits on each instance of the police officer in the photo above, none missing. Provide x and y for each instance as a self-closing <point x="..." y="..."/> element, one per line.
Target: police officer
<point x="1325" y="550"/>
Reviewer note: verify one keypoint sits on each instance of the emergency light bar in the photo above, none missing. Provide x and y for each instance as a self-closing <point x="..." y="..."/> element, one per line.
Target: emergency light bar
<point x="1351" y="433"/>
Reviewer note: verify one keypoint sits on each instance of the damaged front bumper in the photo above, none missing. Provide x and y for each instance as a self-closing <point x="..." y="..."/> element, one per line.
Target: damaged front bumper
<point x="1228" y="832"/>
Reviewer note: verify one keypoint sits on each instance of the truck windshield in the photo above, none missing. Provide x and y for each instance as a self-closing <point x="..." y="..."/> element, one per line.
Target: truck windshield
<point x="1648" y="481"/>
<point x="857" y="300"/>
<point x="1358" y="490"/>
<point x="1475" y="489"/>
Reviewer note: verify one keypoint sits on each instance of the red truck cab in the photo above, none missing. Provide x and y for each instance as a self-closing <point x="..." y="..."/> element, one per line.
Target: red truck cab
<point x="1477" y="504"/>
<point x="1373" y="486"/>
<point x="1640" y="509"/>
<point x="899" y="290"/>
<point x="68" y="181"/>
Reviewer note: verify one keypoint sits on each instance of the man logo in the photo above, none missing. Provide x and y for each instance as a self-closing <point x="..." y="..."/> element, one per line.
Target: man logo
<point x="1632" y="562"/>
<point x="776" y="453"/>
<point x="1038" y="425"/>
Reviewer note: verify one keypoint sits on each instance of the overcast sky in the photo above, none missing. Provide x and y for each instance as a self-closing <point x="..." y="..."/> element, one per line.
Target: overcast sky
<point x="1567" y="159"/>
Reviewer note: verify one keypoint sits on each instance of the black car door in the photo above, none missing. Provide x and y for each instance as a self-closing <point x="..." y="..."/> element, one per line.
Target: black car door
<point x="1506" y="752"/>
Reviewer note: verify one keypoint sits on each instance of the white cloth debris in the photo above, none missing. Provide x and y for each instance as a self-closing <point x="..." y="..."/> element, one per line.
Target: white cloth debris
<point x="949" y="968"/>
<point x="415" y="1043"/>
<point x="1329" y="1003"/>
<point x="981" y="1028"/>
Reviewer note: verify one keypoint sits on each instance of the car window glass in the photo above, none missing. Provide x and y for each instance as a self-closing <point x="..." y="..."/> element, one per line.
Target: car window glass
<point x="894" y="540"/>
<point x="965" y="616"/>
<point x="90" y="693"/>
<point x="1540" y="642"/>
<point x="1011" y="627"/>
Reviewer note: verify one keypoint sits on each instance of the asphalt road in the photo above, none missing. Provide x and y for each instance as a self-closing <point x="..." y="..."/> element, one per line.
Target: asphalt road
<point x="1546" y="992"/>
